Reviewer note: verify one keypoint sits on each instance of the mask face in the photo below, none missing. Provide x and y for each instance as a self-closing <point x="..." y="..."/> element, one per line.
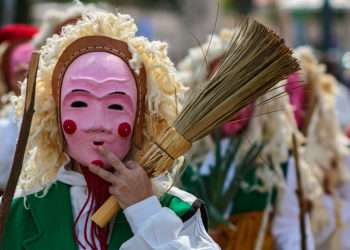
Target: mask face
<point x="239" y="122"/>
<point x="98" y="107"/>
<point x="19" y="64"/>
<point x="297" y="97"/>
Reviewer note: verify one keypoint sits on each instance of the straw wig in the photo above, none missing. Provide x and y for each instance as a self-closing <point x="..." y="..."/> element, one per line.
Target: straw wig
<point x="326" y="142"/>
<point x="195" y="67"/>
<point x="45" y="154"/>
<point x="54" y="20"/>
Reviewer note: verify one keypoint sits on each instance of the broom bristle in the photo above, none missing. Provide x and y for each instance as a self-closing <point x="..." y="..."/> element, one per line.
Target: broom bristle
<point x="256" y="60"/>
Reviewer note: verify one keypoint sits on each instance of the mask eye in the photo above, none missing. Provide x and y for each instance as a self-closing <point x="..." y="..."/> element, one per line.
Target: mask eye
<point x="116" y="107"/>
<point x="79" y="104"/>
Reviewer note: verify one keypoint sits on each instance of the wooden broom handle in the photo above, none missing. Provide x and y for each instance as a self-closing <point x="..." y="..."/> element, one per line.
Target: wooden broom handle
<point x="105" y="213"/>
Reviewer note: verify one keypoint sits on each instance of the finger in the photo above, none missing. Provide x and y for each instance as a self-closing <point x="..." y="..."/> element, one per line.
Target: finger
<point x="104" y="174"/>
<point x="117" y="164"/>
<point x="117" y="189"/>
<point x="132" y="165"/>
<point x="113" y="190"/>
<point x="116" y="193"/>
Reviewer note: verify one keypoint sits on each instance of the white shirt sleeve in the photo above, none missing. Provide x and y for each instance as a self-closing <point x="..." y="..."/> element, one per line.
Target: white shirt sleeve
<point x="286" y="228"/>
<point x="159" y="228"/>
<point x="8" y="138"/>
<point x="345" y="214"/>
<point x="328" y="230"/>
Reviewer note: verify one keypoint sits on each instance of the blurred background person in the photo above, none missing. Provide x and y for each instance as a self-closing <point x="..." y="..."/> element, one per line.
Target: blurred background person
<point x="15" y="53"/>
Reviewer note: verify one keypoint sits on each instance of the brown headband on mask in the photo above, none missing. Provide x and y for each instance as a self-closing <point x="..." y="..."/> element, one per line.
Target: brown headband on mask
<point x="101" y="44"/>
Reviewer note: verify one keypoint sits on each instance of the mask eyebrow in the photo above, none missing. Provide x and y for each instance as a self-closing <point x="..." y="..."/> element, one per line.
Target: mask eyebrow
<point x="117" y="93"/>
<point x="79" y="90"/>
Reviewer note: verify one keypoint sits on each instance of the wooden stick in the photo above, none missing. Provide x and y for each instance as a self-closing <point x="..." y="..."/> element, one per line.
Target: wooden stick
<point x="21" y="143"/>
<point x="106" y="212"/>
<point x="300" y="194"/>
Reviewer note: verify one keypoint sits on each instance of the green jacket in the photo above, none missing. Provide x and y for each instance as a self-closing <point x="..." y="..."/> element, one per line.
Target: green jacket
<point x="245" y="200"/>
<point x="47" y="223"/>
<point x="254" y="201"/>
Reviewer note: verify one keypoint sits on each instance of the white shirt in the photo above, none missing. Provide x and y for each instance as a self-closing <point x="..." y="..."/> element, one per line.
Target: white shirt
<point x="286" y="227"/>
<point x="154" y="227"/>
<point x="331" y="229"/>
<point x="8" y="139"/>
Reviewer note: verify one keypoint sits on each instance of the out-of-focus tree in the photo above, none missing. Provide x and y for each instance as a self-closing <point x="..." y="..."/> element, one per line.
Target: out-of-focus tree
<point x="22" y="13"/>
<point x="240" y="6"/>
<point x="15" y="11"/>
<point x="171" y="4"/>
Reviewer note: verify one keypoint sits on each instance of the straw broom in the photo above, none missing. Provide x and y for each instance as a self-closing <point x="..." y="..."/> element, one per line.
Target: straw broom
<point x="256" y="60"/>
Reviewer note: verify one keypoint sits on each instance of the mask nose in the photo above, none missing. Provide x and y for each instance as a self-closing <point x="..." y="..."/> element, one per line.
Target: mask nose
<point x="99" y="129"/>
<point x="99" y="123"/>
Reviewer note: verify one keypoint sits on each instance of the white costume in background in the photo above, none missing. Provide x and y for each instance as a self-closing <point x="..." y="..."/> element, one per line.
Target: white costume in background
<point x="342" y="107"/>
<point x="8" y="139"/>
<point x="285" y="226"/>
<point x="324" y="238"/>
<point x="154" y="227"/>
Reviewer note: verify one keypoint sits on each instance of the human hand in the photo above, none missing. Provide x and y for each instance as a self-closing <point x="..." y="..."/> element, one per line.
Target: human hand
<point x="130" y="183"/>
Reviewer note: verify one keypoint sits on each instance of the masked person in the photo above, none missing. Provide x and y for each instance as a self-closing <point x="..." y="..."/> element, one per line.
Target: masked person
<point x="19" y="44"/>
<point x="265" y="210"/>
<point x="326" y="152"/>
<point x="15" y="53"/>
<point x="101" y="92"/>
<point x="16" y="50"/>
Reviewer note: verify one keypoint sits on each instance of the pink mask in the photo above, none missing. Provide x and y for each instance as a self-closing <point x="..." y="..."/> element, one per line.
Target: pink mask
<point x="19" y="63"/>
<point x="296" y="94"/>
<point x="239" y="121"/>
<point x="98" y="107"/>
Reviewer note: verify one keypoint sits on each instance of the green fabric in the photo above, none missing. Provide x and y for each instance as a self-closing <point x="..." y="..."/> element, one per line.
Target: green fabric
<point x="48" y="223"/>
<point x="253" y="201"/>
<point x="192" y="182"/>
<point x="176" y="204"/>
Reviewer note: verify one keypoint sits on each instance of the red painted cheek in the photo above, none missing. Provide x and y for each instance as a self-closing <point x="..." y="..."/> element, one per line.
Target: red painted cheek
<point x="69" y="126"/>
<point x="124" y="129"/>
